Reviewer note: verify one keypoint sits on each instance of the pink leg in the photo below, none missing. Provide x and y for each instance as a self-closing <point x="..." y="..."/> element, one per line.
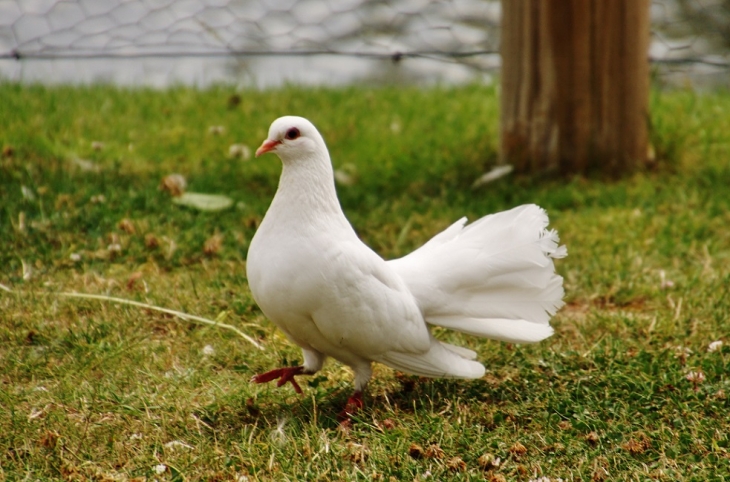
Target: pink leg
<point x="354" y="403"/>
<point x="284" y="375"/>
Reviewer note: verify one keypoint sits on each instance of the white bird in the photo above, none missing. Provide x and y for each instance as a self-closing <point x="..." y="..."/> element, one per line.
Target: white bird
<point x="334" y="297"/>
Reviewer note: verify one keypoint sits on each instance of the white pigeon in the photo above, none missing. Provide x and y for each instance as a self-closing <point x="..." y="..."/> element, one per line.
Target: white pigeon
<point x="335" y="297"/>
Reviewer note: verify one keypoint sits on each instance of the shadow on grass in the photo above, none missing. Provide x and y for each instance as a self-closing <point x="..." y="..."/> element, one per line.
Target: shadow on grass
<point x="407" y="397"/>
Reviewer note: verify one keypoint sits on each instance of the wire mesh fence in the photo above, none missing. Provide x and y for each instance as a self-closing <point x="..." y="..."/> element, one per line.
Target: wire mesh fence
<point x="268" y="42"/>
<point x="691" y="42"/>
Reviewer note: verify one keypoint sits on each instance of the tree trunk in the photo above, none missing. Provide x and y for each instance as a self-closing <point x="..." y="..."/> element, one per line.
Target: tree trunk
<point x="575" y="85"/>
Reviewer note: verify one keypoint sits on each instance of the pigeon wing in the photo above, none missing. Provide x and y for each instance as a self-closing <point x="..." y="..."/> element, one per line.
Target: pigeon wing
<point x="365" y="307"/>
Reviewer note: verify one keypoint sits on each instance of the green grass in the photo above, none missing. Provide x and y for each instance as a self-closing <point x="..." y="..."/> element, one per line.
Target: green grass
<point x="103" y="391"/>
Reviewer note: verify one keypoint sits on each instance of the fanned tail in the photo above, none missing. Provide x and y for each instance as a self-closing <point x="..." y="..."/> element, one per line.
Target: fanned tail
<point x="493" y="278"/>
<point x="442" y="360"/>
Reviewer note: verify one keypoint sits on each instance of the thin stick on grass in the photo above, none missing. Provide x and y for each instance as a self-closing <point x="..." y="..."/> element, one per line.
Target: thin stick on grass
<point x="139" y="304"/>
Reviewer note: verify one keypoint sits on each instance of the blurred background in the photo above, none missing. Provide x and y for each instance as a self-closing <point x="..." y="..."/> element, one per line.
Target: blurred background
<point x="268" y="43"/>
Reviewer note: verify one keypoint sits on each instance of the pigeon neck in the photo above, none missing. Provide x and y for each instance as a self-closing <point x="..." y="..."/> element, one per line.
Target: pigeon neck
<point x="307" y="188"/>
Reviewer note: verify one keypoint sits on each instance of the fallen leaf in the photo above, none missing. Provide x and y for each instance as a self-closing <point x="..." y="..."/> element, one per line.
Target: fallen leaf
<point x="213" y="244"/>
<point x="126" y="226"/>
<point x="357" y="453"/>
<point x="415" y="451"/>
<point x="434" y="452"/>
<point x="637" y="445"/>
<point x="456" y="464"/>
<point x="234" y="100"/>
<point x="27" y="193"/>
<point x="151" y="241"/>
<point x="133" y="279"/>
<point x="49" y="439"/>
<point x="488" y="461"/>
<point x="491" y="176"/>
<point x="714" y="346"/>
<point x="176" y="444"/>
<point x="204" y="202"/>
<point x="388" y="424"/>
<point x="85" y="164"/>
<point x="175" y="184"/>
<point x="239" y="150"/>
<point x="518" y="449"/>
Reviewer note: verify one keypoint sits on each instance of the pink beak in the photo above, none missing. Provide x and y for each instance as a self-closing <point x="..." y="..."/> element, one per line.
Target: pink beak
<point x="267" y="146"/>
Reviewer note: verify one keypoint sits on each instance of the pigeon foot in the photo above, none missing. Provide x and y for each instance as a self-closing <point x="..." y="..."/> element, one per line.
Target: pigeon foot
<point x="353" y="405"/>
<point x="285" y="374"/>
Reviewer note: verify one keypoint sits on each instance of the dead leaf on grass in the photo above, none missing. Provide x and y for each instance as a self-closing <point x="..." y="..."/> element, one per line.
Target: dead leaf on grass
<point x="357" y="453"/>
<point x="127" y="226"/>
<point x="456" y="464"/>
<point x="518" y="449"/>
<point x="637" y="445"/>
<point x="213" y="245"/>
<point x="415" y="451"/>
<point x="434" y="452"/>
<point x="203" y="202"/>
<point x="592" y="438"/>
<point x="133" y="279"/>
<point x="175" y="184"/>
<point x="151" y="241"/>
<point x="488" y="461"/>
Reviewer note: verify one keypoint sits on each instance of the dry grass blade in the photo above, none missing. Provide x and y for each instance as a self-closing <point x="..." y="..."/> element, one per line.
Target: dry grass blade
<point x="179" y="314"/>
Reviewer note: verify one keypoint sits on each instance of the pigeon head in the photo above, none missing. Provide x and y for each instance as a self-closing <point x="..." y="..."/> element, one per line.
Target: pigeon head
<point x="292" y="138"/>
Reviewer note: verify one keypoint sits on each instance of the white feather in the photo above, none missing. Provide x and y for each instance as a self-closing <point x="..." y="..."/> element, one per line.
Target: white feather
<point x="493" y="278"/>
<point x="442" y="360"/>
<point x="333" y="296"/>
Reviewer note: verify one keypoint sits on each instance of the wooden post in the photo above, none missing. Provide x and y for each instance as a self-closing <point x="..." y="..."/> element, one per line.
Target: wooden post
<point x="575" y="85"/>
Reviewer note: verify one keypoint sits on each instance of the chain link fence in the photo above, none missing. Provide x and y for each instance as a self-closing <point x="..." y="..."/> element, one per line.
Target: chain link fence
<point x="691" y="43"/>
<point x="270" y="42"/>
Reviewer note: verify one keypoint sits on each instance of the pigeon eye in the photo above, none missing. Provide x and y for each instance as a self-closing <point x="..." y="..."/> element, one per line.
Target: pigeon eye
<point x="292" y="133"/>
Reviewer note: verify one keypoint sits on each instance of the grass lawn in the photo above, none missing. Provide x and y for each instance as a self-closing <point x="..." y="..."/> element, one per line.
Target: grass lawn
<point x="97" y="390"/>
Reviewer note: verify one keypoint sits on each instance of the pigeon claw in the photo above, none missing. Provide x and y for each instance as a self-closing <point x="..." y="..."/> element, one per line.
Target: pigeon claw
<point x="353" y="405"/>
<point x="285" y="374"/>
